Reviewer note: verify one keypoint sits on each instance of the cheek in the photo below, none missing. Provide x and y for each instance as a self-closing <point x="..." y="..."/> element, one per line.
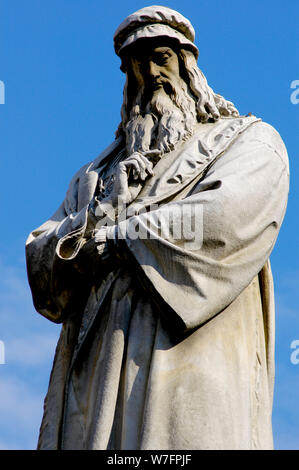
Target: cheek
<point x="173" y="68"/>
<point x="172" y="75"/>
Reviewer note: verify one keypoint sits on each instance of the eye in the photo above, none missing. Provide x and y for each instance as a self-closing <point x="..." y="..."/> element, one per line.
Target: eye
<point x="161" y="59"/>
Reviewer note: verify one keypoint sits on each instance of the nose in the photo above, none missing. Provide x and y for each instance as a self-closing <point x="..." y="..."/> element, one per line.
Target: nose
<point x="153" y="70"/>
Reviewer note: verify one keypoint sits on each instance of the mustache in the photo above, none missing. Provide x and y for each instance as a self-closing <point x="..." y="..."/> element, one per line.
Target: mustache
<point x="155" y="84"/>
<point x="163" y="119"/>
<point x="171" y="96"/>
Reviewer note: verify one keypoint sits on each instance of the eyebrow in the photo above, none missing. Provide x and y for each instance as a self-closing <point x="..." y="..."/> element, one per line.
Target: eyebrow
<point x="142" y="55"/>
<point x="165" y="50"/>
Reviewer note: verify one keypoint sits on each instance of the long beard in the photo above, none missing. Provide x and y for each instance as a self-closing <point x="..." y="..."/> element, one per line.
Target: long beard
<point x="165" y="120"/>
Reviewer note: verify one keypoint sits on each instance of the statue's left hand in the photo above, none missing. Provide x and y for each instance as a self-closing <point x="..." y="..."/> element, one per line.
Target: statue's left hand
<point x="95" y="253"/>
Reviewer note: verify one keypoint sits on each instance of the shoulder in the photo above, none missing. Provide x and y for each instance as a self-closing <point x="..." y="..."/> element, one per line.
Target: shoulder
<point x="83" y="180"/>
<point x="267" y="136"/>
<point x="256" y="156"/>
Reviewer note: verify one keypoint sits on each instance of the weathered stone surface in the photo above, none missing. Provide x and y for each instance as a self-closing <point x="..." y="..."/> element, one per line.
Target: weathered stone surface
<point x="157" y="264"/>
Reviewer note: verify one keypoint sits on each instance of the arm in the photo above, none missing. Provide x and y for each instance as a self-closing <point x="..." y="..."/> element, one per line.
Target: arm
<point x="243" y="200"/>
<point x="51" y="280"/>
<point x="68" y="253"/>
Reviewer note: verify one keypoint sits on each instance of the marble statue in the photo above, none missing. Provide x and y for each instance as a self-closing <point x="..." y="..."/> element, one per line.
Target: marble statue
<point x="157" y="264"/>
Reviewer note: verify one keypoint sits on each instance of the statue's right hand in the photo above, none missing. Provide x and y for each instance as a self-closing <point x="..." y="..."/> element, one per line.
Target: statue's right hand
<point x="137" y="164"/>
<point x="137" y="167"/>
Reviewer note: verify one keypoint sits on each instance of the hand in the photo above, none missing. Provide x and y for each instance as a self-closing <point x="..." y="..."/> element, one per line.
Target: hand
<point x="138" y="167"/>
<point x="96" y="246"/>
<point x="137" y="164"/>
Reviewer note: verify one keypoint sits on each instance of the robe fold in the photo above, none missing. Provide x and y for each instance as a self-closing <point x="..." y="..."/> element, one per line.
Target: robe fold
<point x="172" y="347"/>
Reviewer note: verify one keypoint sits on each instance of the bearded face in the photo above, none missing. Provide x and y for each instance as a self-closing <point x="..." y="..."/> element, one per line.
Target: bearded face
<point x="163" y="111"/>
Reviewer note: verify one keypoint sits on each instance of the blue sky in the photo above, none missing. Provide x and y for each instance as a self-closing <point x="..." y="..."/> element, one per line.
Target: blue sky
<point x="63" y="92"/>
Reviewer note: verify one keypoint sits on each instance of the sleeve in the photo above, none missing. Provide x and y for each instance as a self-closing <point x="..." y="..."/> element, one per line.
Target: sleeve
<point x="52" y="277"/>
<point x="52" y="280"/>
<point x="198" y="254"/>
<point x="59" y="274"/>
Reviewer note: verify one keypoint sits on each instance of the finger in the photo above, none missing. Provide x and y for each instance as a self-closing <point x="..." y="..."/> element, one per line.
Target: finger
<point x="126" y="167"/>
<point x="147" y="165"/>
<point x="142" y="167"/>
<point x="135" y="168"/>
<point x="139" y="168"/>
<point x="144" y="164"/>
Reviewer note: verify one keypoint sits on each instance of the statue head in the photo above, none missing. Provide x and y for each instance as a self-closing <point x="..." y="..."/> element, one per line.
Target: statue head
<point x="165" y="94"/>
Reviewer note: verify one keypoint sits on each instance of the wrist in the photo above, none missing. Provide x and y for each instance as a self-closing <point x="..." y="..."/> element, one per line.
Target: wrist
<point x="100" y="235"/>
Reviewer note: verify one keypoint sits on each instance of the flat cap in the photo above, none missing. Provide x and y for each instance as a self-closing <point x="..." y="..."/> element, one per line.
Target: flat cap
<point x="152" y="22"/>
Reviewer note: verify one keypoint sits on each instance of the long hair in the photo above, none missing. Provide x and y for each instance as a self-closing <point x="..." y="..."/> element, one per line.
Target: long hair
<point x="209" y="105"/>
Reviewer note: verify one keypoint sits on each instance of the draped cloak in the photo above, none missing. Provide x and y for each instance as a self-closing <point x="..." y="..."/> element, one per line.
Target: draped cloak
<point x="172" y="347"/>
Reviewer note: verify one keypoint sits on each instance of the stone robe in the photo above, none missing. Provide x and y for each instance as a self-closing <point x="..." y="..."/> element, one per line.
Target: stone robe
<point x="172" y="347"/>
